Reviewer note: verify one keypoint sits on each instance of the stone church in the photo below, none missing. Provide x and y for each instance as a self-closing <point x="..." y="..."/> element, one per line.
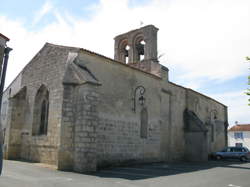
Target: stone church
<point x="80" y="110"/>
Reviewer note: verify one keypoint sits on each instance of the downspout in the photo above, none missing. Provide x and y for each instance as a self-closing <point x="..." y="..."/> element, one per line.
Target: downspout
<point x="4" y="56"/>
<point x="226" y="125"/>
<point x="3" y="74"/>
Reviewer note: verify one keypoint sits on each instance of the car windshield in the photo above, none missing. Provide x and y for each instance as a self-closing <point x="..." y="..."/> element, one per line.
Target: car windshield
<point x="224" y="150"/>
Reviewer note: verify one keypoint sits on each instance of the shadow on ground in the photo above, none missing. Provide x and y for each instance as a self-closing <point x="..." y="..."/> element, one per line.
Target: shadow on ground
<point x="146" y="171"/>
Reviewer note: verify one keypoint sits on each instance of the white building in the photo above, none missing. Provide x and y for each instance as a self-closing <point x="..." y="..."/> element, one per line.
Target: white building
<point x="239" y="135"/>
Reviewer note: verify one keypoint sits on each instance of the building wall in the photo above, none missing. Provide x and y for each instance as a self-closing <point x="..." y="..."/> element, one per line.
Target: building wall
<point x="94" y="125"/>
<point x="118" y="132"/>
<point x="46" y="68"/>
<point x="207" y="109"/>
<point x="173" y="136"/>
<point x="245" y="141"/>
<point x="9" y="92"/>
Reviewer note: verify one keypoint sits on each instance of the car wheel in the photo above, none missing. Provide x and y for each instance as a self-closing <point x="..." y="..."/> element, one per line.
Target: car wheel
<point x="218" y="157"/>
<point x="243" y="159"/>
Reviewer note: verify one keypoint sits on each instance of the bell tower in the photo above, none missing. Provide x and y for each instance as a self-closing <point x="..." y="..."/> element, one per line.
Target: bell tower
<point x="138" y="48"/>
<point x="137" y="45"/>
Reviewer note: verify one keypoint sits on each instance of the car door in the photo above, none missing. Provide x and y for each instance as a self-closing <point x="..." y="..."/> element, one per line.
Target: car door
<point x="228" y="153"/>
<point x="237" y="151"/>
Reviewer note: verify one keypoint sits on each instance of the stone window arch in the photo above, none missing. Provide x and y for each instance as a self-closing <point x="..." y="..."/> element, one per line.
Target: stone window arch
<point x="124" y="51"/>
<point x="139" y="47"/>
<point x="41" y="112"/>
<point x="144" y="123"/>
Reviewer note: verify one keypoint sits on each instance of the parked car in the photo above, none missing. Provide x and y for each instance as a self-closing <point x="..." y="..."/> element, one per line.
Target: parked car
<point x="241" y="153"/>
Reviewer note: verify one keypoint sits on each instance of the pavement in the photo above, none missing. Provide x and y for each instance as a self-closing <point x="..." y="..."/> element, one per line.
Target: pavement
<point x="209" y="174"/>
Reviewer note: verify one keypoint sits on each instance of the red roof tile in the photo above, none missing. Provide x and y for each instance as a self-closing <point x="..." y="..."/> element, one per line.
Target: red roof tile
<point x="242" y="127"/>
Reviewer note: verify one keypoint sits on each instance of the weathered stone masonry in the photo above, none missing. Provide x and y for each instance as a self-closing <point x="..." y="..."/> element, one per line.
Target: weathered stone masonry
<point x="96" y="119"/>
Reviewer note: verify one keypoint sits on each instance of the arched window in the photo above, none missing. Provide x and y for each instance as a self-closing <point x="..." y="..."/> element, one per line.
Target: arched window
<point x="44" y="117"/>
<point x="124" y="49"/>
<point x="144" y="123"/>
<point x="139" y="43"/>
<point x="41" y="112"/>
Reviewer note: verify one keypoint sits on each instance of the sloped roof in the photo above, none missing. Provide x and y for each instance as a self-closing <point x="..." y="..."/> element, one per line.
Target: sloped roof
<point x="241" y="127"/>
<point x="78" y="49"/>
<point x="6" y="38"/>
<point x="80" y="76"/>
<point x="104" y="57"/>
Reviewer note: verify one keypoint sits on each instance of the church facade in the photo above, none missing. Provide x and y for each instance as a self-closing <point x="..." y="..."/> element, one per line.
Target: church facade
<point x="80" y="110"/>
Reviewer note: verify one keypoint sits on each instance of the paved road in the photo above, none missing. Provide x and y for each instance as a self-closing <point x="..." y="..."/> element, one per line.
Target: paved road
<point x="211" y="174"/>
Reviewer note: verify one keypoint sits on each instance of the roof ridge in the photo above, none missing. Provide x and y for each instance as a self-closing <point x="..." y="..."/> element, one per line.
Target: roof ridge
<point x="100" y="55"/>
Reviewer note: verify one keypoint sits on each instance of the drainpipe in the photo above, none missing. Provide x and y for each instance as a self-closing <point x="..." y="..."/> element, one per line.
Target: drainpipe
<point x="225" y="124"/>
<point x="4" y="55"/>
<point x="3" y="74"/>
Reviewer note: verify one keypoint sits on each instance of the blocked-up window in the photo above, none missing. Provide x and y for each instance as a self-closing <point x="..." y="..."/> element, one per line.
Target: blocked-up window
<point x="144" y="123"/>
<point x="238" y="135"/>
<point x="213" y="117"/>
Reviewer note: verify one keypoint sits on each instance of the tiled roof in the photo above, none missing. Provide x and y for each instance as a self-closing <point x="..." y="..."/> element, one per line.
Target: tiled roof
<point x="241" y="127"/>
<point x="6" y="38"/>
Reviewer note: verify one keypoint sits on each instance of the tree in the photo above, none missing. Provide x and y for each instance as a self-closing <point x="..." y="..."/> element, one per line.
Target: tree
<point x="248" y="90"/>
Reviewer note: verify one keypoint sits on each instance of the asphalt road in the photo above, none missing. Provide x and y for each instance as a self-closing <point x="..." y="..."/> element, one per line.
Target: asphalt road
<point x="210" y="174"/>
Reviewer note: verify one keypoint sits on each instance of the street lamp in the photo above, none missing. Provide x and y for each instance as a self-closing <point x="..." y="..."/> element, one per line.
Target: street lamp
<point x="141" y="98"/>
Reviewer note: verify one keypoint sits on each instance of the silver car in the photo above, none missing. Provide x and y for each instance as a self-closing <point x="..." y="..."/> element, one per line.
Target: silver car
<point x="241" y="153"/>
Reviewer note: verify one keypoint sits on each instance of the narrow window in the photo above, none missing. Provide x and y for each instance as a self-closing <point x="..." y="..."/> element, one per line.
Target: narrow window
<point x="213" y="118"/>
<point x="140" y="50"/>
<point x="124" y="51"/>
<point x="212" y="132"/>
<point x="41" y="112"/>
<point x="44" y="118"/>
<point x="144" y="123"/>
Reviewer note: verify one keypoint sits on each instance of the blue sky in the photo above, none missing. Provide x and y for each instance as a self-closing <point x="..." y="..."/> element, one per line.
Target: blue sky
<point x="204" y="42"/>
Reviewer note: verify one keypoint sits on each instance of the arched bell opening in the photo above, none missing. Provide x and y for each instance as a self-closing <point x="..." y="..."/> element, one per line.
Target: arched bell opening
<point x="124" y="51"/>
<point x="139" y="48"/>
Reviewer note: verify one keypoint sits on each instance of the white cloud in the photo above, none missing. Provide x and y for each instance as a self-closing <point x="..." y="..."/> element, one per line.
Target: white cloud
<point x="238" y="109"/>
<point x="45" y="9"/>
<point x="201" y="39"/>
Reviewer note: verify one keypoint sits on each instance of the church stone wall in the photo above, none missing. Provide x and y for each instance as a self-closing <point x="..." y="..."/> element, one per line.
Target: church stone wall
<point x="118" y="131"/>
<point x="66" y="149"/>
<point x="214" y="117"/>
<point x="46" y="68"/>
<point x="10" y="91"/>
<point x="86" y="122"/>
<point x="93" y="125"/>
<point x="176" y="132"/>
